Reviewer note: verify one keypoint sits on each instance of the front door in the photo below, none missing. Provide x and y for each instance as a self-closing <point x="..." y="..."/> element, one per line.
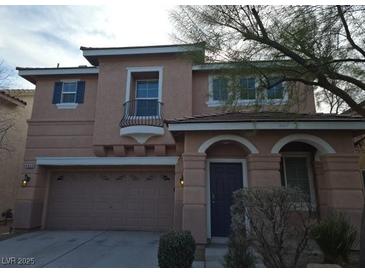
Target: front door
<point x="225" y="178"/>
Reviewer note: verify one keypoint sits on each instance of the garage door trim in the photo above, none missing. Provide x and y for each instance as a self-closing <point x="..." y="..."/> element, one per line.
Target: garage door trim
<point x="110" y="161"/>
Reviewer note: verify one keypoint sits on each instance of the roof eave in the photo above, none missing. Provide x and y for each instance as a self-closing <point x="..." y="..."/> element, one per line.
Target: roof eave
<point x="92" y="54"/>
<point x="357" y="125"/>
<point x="31" y="74"/>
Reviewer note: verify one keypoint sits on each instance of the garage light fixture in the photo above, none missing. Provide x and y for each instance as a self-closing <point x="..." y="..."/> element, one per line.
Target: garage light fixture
<point x="182" y="181"/>
<point x="25" y="180"/>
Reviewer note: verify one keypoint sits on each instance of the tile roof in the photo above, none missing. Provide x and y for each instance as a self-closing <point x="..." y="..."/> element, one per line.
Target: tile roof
<point x="10" y="94"/>
<point x="240" y="116"/>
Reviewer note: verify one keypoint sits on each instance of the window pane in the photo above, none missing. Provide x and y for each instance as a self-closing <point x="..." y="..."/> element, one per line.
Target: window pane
<point x="275" y="92"/>
<point x="153" y="89"/>
<point x="69" y="87"/>
<point x="68" y="97"/>
<point x="296" y="171"/>
<point x="220" y="89"/>
<point x="248" y="90"/>
<point x="147" y="89"/>
<point x="146" y="107"/>
<point x="141" y="93"/>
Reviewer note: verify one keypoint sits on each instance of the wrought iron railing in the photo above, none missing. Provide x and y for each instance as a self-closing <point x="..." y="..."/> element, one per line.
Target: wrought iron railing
<point x="142" y="112"/>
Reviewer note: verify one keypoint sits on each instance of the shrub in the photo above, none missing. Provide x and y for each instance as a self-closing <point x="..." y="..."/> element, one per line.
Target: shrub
<point x="335" y="237"/>
<point x="7" y="214"/>
<point x="176" y="249"/>
<point x="238" y="254"/>
<point x="279" y="221"/>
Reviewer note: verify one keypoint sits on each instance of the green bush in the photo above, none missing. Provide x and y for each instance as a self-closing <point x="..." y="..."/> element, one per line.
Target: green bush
<point x="176" y="249"/>
<point x="335" y="237"/>
<point x="238" y="254"/>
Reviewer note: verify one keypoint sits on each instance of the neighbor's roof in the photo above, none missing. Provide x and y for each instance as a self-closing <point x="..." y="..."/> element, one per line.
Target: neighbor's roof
<point x="267" y="120"/>
<point x="8" y="95"/>
<point x="30" y="73"/>
<point x="92" y="53"/>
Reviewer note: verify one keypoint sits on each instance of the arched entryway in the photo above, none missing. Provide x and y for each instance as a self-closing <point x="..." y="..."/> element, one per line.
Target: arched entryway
<point x="226" y="172"/>
<point x="299" y="155"/>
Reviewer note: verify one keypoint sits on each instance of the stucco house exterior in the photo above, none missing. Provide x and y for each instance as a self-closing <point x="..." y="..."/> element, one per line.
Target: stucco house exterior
<point x="15" y="109"/>
<point x="140" y="140"/>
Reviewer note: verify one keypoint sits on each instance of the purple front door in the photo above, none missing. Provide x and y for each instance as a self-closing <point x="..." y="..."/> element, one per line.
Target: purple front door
<point x="225" y="178"/>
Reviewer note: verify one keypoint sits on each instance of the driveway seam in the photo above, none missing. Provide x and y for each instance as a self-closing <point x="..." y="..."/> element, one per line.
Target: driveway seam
<point x="73" y="249"/>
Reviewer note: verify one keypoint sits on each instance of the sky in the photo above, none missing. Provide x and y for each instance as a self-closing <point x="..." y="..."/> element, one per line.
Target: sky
<point x="42" y="36"/>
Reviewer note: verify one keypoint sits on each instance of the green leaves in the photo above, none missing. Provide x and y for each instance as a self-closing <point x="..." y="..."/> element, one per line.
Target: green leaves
<point x="176" y="249"/>
<point x="335" y="236"/>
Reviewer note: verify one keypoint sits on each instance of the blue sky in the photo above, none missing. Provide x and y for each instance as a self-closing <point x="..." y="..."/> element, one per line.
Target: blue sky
<point x="42" y="36"/>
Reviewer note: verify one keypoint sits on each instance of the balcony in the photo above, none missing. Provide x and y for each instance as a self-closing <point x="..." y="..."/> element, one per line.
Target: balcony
<point x="142" y="119"/>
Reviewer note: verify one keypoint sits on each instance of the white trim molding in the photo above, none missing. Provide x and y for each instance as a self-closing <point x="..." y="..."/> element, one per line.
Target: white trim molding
<point x="57" y="71"/>
<point x="278" y="125"/>
<point x="322" y="146"/>
<point x="142" y="133"/>
<point x="67" y="105"/>
<point x="204" y="146"/>
<point x="106" y="161"/>
<point x="93" y="52"/>
<point x="130" y="70"/>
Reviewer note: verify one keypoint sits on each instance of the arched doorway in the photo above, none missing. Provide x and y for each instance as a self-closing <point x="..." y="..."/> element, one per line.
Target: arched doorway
<point x="226" y="173"/>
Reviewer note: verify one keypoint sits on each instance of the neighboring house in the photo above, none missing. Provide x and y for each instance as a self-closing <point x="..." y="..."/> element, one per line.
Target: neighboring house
<point x="15" y="110"/>
<point x="139" y="141"/>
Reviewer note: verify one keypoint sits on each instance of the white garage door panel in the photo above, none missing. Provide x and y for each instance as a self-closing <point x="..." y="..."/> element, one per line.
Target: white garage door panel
<point x="115" y="200"/>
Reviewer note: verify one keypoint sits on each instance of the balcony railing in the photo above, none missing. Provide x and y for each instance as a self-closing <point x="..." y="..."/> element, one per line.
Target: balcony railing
<point x="142" y="112"/>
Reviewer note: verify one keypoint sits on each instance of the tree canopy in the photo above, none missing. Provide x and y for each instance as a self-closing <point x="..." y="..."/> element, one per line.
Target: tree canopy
<point x="324" y="45"/>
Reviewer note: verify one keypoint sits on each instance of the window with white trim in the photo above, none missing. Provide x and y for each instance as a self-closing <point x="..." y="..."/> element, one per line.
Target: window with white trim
<point x="69" y="91"/>
<point x="147" y="97"/>
<point x="246" y="90"/>
<point x="297" y="173"/>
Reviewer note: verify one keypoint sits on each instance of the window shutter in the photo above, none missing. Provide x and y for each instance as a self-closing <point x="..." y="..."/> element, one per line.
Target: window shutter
<point x="57" y="93"/>
<point x="80" y="92"/>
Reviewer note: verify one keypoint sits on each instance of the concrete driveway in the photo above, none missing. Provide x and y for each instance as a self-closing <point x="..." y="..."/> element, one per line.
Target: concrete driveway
<point x="81" y="249"/>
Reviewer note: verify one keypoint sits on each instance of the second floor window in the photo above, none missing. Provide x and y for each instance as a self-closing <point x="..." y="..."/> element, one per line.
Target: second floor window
<point x="220" y="89"/>
<point x="147" y="97"/>
<point x="276" y="90"/>
<point x="69" y="91"/>
<point x="247" y="89"/>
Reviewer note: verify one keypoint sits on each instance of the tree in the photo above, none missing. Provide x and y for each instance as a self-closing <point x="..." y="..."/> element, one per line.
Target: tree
<point x="331" y="102"/>
<point x="321" y="46"/>
<point x="5" y="122"/>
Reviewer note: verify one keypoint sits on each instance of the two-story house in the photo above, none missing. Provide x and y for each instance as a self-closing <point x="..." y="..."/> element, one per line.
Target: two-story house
<point x="140" y="141"/>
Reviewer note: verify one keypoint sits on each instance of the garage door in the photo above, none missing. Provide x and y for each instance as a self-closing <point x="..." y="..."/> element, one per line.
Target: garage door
<point x="112" y="201"/>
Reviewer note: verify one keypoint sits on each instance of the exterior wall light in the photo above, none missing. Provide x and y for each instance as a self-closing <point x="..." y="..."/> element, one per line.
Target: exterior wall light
<point x="25" y="180"/>
<point x="182" y="181"/>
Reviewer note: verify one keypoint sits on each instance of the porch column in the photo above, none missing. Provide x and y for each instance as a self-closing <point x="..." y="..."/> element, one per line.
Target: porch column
<point x="263" y="170"/>
<point x="194" y="196"/>
<point x="29" y="200"/>
<point x="341" y="188"/>
<point x="178" y="196"/>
